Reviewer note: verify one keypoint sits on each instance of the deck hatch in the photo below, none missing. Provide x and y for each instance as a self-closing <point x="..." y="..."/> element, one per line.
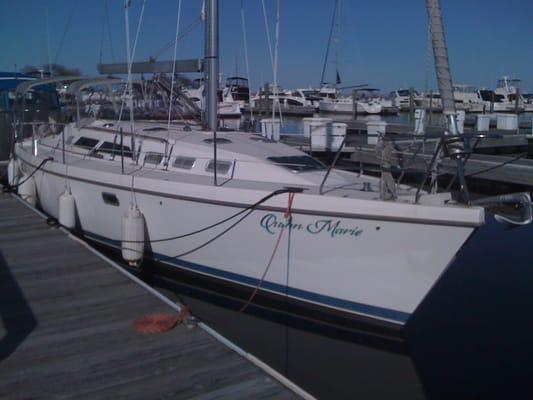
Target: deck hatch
<point x="222" y="166"/>
<point x="153" y="158"/>
<point x="184" y="162"/>
<point x="115" y="149"/>
<point x="86" y="142"/>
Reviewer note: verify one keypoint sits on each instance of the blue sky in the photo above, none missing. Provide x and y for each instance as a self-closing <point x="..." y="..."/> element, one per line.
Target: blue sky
<point x="382" y="43"/>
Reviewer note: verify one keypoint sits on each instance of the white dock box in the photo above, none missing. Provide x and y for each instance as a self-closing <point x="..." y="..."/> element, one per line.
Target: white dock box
<point x="507" y="122"/>
<point x="482" y="122"/>
<point x="338" y="133"/>
<point x="316" y="126"/>
<point x="270" y="128"/>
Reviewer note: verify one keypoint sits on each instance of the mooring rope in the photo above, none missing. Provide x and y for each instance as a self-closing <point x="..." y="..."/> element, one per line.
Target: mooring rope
<point x="287" y="216"/>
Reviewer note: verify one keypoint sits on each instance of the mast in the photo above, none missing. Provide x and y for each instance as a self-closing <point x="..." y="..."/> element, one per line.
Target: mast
<point x="442" y="65"/>
<point x="129" y="86"/>
<point x="333" y="19"/>
<point x="455" y="147"/>
<point x="211" y="64"/>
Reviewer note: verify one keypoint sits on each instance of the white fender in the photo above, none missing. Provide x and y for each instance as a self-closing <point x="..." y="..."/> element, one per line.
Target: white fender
<point x="27" y="190"/>
<point x="133" y="236"/>
<point x="13" y="171"/>
<point x="67" y="209"/>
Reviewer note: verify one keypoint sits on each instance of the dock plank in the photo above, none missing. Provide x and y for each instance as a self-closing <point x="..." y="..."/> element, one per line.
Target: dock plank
<point x="66" y="329"/>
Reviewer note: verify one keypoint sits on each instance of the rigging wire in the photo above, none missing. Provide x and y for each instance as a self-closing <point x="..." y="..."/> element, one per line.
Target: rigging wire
<point x="63" y="36"/>
<point x="275" y="68"/>
<point x="269" y="41"/>
<point x="246" y="60"/>
<point x="130" y="57"/>
<point x="337" y="41"/>
<point x="173" y="77"/>
<point x="108" y="23"/>
<point x="184" y="33"/>
<point x="429" y="57"/>
<point x="268" y="34"/>
<point x="100" y="58"/>
<point x="333" y="18"/>
<point x="48" y="43"/>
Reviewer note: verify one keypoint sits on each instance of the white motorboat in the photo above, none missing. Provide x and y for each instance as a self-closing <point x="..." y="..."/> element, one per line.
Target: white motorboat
<point x="344" y="105"/>
<point x="247" y="212"/>
<point x="510" y="90"/>
<point x="236" y="91"/>
<point x="286" y="98"/>
<point x="467" y="98"/>
<point x="368" y="103"/>
<point x="227" y="108"/>
<point x="495" y="102"/>
<point x="401" y="98"/>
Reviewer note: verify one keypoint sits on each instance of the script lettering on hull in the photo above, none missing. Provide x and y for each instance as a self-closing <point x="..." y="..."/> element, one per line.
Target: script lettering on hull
<point x="331" y="227"/>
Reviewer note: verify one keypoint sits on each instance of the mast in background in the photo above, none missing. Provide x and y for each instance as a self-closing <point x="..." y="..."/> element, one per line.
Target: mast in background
<point x="211" y="64"/>
<point x="442" y="65"/>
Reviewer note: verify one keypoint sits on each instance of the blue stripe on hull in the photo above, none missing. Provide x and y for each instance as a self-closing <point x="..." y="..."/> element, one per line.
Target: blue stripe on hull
<point x="304" y="295"/>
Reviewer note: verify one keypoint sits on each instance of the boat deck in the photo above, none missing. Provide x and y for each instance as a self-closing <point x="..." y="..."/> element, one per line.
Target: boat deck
<point x="66" y="330"/>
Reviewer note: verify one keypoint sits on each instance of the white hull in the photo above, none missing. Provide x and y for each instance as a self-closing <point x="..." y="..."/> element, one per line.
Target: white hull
<point x="229" y="109"/>
<point x="343" y="254"/>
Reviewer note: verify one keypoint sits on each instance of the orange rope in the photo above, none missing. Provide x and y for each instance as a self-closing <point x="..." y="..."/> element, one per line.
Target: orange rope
<point x="289" y="205"/>
<point x="287" y="215"/>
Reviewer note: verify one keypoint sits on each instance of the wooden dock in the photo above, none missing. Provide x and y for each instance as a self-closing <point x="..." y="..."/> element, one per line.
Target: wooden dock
<point x="66" y="317"/>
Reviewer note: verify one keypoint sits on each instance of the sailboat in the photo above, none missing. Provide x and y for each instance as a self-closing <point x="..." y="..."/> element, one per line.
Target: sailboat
<point x="248" y="213"/>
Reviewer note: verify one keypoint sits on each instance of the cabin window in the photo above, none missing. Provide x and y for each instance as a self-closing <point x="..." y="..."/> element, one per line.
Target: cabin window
<point x="298" y="163"/>
<point x="222" y="166"/>
<point x="184" y="162"/>
<point x="115" y="149"/>
<point x="86" y="143"/>
<point x="153" y="158"/>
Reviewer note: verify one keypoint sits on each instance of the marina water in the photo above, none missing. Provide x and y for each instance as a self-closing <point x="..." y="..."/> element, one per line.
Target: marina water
<point x="470" y="338"/>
